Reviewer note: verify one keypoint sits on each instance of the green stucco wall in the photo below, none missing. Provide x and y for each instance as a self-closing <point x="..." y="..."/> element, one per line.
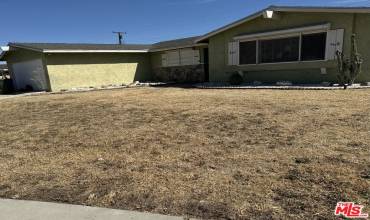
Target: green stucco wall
<point x="299" y="72"/>
<point x="68" y="71"/>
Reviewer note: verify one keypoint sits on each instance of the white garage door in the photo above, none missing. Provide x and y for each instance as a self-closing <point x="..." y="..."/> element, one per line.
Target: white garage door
<point x="29" y="74"/>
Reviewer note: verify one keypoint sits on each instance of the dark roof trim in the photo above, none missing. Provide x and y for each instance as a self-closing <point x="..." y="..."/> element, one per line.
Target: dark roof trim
<point x="285" y="9"/>
<point x="321" y="9"/>
<point x="15" y="45"/>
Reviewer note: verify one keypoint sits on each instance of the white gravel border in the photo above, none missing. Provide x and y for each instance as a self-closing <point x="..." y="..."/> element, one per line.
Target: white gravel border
<point x="293" y="87"/>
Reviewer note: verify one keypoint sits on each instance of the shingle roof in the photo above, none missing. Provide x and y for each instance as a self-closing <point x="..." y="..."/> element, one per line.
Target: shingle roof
<point x="47" y="47"/>
<point x="178" y="43"/>
<point x="42" y="47"/>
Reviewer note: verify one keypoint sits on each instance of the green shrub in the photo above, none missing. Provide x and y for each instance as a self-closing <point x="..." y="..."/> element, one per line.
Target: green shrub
<point x="236" y="79"/>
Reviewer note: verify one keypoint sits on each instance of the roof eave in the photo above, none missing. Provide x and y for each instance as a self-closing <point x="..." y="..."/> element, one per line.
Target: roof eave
<point x="24" y="47"/>
<point x="321" y="9"/>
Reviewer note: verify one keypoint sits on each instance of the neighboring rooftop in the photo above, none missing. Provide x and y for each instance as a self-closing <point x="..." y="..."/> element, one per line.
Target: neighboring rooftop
<point x="173" y="44"/>
<point x="55" y="47"/>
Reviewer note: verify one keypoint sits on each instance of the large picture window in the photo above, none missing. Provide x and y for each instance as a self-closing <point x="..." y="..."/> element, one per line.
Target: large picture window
<point x="302" y="47"/>
<point x="313" y="46"/>
<point x="247" y="52"/>
<point x="279" y="50"/>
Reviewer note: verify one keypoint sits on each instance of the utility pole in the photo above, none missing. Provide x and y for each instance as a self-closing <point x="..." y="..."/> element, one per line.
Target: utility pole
<point x="120" y="35"/>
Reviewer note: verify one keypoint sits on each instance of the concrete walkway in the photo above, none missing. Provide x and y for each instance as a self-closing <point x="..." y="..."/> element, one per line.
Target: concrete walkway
<point x="29" y="210"/>
<point x="2" y="96"/>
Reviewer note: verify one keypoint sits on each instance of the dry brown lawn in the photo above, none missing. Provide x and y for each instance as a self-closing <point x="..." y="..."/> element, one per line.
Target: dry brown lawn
<point x="218" y="154"/>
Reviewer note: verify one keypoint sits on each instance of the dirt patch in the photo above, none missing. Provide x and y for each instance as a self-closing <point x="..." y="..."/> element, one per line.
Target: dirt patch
<point x="212" y="154"/>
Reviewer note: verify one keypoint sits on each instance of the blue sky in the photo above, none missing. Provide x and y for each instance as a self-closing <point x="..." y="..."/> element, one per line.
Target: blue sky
<point x="145" y="21"/>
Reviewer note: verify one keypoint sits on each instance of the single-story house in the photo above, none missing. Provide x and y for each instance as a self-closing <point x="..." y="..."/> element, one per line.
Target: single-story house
<point x="296" y="44"/>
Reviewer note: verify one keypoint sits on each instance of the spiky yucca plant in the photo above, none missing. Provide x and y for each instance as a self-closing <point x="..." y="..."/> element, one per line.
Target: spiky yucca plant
<point x="349" y="68"/>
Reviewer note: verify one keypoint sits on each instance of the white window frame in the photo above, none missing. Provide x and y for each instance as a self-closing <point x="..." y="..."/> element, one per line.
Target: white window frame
<point x="294" y="32"/>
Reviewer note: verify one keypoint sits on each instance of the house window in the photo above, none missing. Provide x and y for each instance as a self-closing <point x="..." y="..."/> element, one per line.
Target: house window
<point x="189" y="57"/>
<point x="173" y="58"/>
<point x="313" y="46"/>
<point x="247" y="52"/>
<point x="279" y="50"/>
<point x="180" y="57"/>
<point x="299" y="47"/>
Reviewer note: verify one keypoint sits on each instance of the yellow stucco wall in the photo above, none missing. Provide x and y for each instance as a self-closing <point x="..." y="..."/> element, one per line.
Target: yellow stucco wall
<point x="68" y="71"/>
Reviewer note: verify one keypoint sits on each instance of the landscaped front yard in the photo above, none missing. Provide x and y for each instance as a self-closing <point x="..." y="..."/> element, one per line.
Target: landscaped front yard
<point x="203" y="153"/>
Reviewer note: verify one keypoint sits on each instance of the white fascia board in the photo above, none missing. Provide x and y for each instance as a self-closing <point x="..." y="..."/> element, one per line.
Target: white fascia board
<point x="311" y="29"/>
<point x="95" y="51"/>
<point x="176" y="48"/>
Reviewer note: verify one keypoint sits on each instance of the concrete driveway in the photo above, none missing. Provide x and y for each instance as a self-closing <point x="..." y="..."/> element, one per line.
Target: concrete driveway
<point x="29" y="210"/>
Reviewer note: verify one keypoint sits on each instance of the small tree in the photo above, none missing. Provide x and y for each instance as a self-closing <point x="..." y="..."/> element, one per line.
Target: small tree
<point x="349" y="68"/>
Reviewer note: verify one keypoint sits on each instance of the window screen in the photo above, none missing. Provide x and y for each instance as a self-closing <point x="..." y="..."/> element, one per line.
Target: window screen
<point x="279" y="50"/>
<point x="313" y="46"/>
<point x="247" y="52"/>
